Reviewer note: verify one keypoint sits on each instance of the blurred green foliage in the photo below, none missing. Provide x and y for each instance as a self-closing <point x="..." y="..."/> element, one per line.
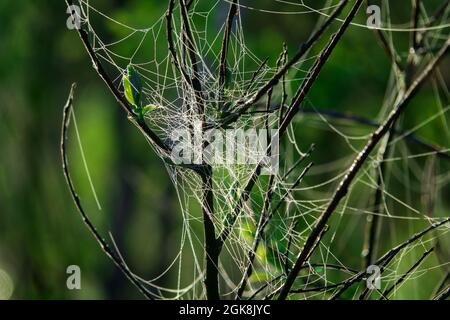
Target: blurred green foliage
<point x="40" y="231"/>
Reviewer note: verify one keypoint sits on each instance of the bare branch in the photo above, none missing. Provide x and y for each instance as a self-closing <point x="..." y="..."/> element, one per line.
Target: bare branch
<point x="263" y="221"/>
<point x="192" y="53"/>
<point x="90" y="226"/>
<point x="243" y="105"/>
<point x="444" y="294"/>
<point x="357" y="164"/>
<point x="388" y="256"/>
<point x="439" y="150"/>
<point x="140" y="123"/>
<point x="304" y="88"/>
<point x="438" y="14"/>
<point x="225" y="44"/>
<point x="316" y="68"/>
<point x="405" y="276"/>
<point x="390" y="51"/>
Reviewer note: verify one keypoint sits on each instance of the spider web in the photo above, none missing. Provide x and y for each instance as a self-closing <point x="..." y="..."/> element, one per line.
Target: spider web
<point x="296" y="205"/>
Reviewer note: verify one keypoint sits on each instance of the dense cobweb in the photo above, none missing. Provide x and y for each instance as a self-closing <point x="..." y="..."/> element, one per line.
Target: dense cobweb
<point x="296" y="203"/>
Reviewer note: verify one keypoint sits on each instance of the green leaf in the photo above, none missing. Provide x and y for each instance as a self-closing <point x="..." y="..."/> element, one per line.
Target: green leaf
<point x="132" y="86"/>
<point x="318" y="269"/>
<point x="127" y="89"/>
<point x="148" y="108"/>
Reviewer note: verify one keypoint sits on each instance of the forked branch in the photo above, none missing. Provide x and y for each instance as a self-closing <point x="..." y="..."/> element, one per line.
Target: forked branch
<point x="138" y="122"/>
<point x="357" y="164"/>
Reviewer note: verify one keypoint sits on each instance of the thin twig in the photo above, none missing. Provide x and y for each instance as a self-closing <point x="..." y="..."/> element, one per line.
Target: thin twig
<point x="357" y="164"/>
<point x="415" y="11"/>
<point x="138" y="122"/>
<point x="441" y="152"/>
<point x="405" y="276"/>
<point x="289" y="116"/>
<point x="313" y="265"/>
<point x="317" y="68"/>
<point x="388" y="256"/>
<point x="90" y="226"/>
<point x="441" y="284"/>
<point x="212" y="247"/>
<point x="443" y="295"/>
<point x="243" y="105"/>
<point x="267" y="201"/>
<point x="171" y="43"/>
<point x="263" y="222"/>
<point x="390" y="51"/>
<point x="255" y="74"/>
<point x="195" y="78"/>
<point x="299" y="161"/>
<point x="225" y="44"/>
<point x="374" y="221"/>
<point x="189" y="4"/>
<point x="438" y="14"/>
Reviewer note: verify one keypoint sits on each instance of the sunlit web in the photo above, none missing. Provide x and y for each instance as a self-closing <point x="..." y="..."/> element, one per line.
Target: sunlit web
<point x="296" y="205"/>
